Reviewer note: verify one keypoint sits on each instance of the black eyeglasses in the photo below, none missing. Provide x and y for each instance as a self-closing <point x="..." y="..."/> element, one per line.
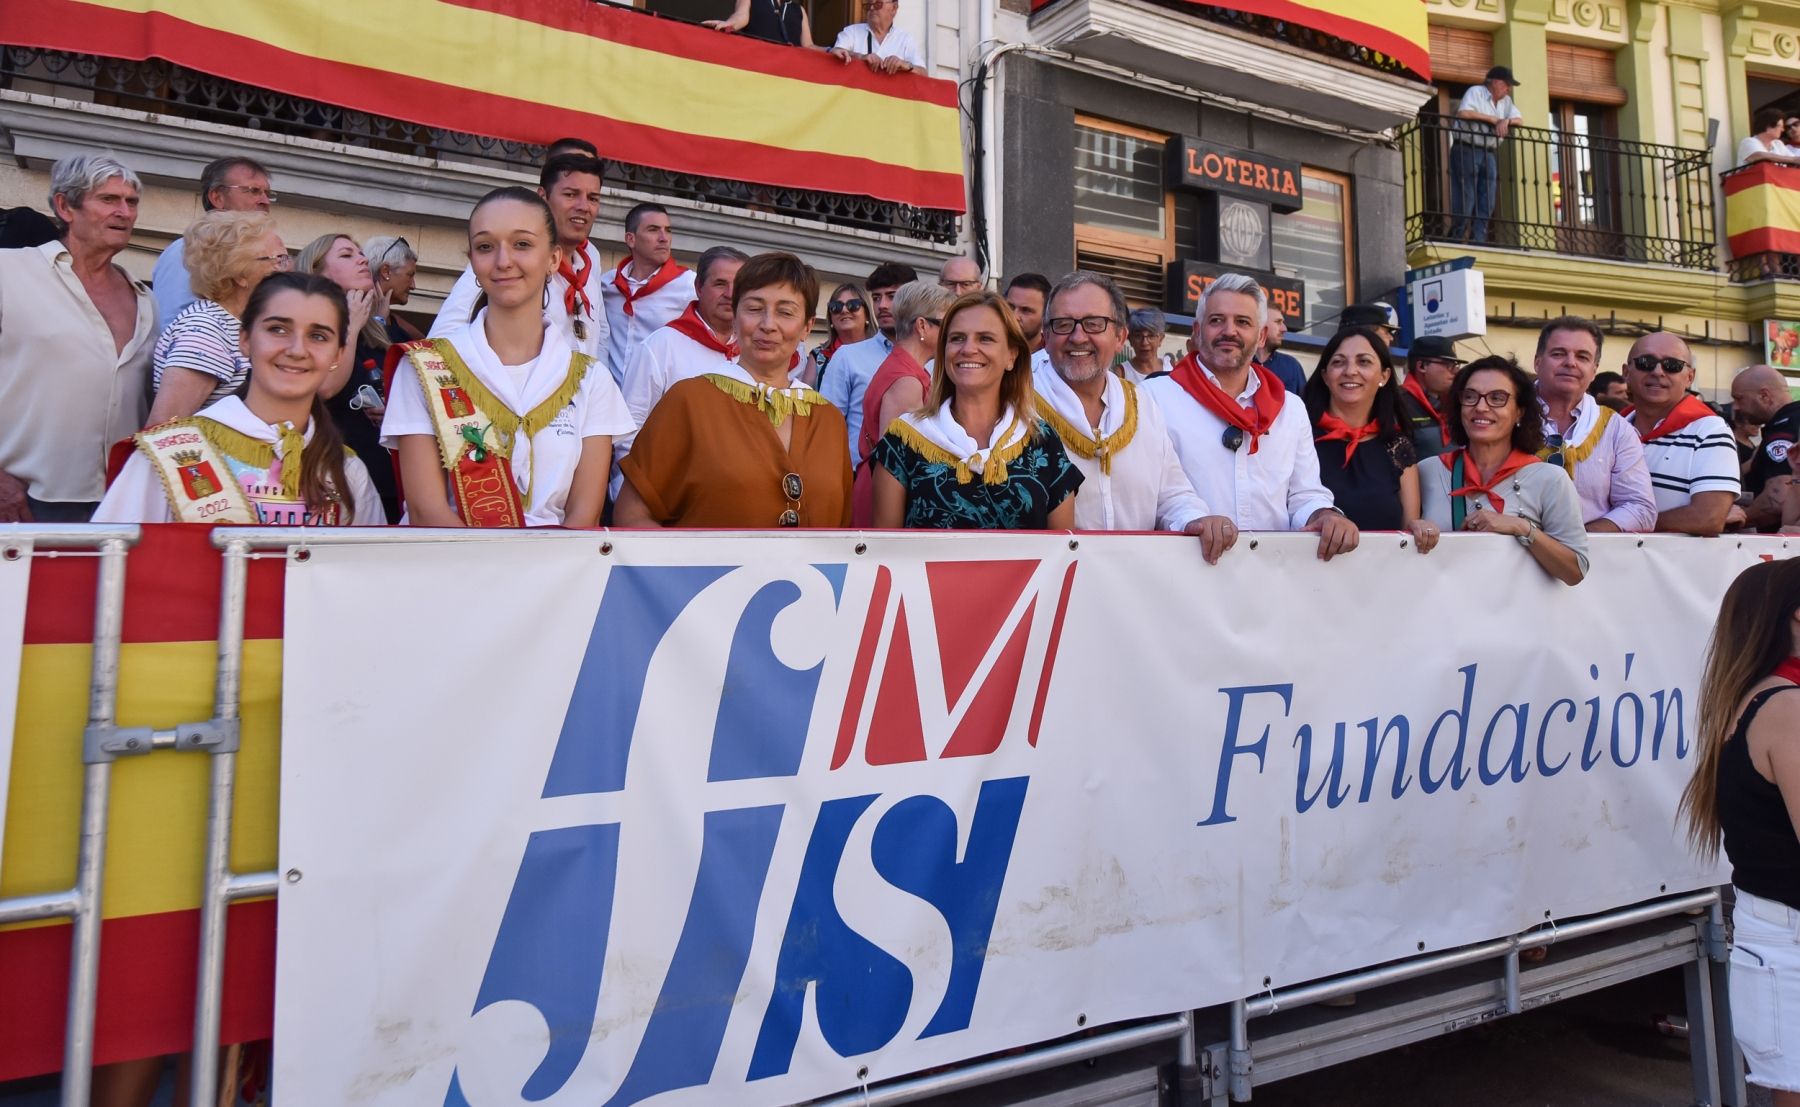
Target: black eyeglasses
<point x="844" y="307"/>
<point x="1650" y="363"/>
<point x="1232" y="438"/>
<point x="1553" y="443"/>
<point x="793" y="488"/>
<point x="1497" y="399"/>
<point x="1092" y="324"/>
<point x="937" y="322"/>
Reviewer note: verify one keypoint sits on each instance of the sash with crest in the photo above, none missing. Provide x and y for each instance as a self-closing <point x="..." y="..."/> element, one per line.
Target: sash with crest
<point x="194" y="475"/>
<point x="476" y="432"/>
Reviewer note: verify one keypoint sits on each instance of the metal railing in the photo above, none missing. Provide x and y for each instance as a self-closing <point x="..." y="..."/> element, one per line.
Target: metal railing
<point x="1581" y="195"/>
<point x="158" y="86"/>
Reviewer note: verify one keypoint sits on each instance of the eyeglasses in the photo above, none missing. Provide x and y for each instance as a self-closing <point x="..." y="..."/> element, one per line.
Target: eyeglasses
<point x="257" y="192"/>
<point x="281" y="262"/>
<point x="1553" y="443"/>
<point x="960" y="286"/>
<point x="1497" y="399"/>
<point x="1232" y="438"/>
<point x="937" y="322"/>
<point x="1092" y="324"/>
<point x="793" y="488"/>
<point x="1650" y="363"/>
<point x="845" y="307"/>
<point x="397" y="244"/>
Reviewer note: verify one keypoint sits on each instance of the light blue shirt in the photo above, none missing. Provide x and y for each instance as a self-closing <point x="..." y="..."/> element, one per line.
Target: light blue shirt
<point x="170" y="285"/>
<point x="846" y="378"/>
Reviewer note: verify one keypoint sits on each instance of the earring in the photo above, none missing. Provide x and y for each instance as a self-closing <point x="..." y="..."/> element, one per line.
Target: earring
<point x="546" y="294"/>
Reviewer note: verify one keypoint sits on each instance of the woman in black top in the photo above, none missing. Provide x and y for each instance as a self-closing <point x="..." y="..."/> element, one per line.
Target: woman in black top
<point x="783" y="22"/>
<point x="1746" y="792"/>
<point x="1366" y="456"/>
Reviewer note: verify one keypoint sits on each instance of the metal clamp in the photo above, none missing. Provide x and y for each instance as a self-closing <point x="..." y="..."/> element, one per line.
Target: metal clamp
<point x="107" y="743"/>
<point x="1712" y="940"/>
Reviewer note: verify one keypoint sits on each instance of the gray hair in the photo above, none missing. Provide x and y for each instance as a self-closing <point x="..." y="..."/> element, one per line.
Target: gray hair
<point x="918" y="300"/>
<point x="1147" y="319"/>
<point x="712" y="257"/>
<point x="1243" y="286"/>
<point x="1101" y="281"/>
<point x="381" y="250"/>
<point x="75" y="176"/>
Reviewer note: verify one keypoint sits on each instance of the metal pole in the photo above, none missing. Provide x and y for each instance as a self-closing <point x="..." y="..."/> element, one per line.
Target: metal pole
<point x="1512" y="982"/>
<point x="84" y="952"/>
<point x="216" y="878"/>
<point x="1240" y="1051"/>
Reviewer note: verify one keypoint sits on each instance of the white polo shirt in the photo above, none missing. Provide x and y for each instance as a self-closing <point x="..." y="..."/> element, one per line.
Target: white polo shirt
<point x="1275" y="488"/>
<point x="859" y="38"/>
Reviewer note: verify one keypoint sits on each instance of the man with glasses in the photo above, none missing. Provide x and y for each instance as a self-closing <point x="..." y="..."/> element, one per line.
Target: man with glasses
<point x="1245" y="444"/>
<point x="961" y="276"/>
<point x="1690" y="452"/>
<point x="228" y="184"/>
<point x="884" y="47"/>
<point x="1132" y="477"/>
<point x="849" y="371"/>
<point x="1599" y="450"/>
<point x="1431" y="365"/>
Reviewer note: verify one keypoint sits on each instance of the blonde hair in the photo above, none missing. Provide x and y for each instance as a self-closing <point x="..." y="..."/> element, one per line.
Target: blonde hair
<point x="1015" y="385"/>
<point x="221" y="247"/>
<point x="1753" y="635"/>
<point x="312" y="259"/>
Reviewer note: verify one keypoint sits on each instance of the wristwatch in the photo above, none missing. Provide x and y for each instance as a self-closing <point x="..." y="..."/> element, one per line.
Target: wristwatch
<point x="1530" y="534"/>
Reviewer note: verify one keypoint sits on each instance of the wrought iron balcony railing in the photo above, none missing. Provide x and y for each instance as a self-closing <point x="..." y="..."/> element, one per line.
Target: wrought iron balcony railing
<point x="158" y="86"/>
<point x="1575" y="194"/>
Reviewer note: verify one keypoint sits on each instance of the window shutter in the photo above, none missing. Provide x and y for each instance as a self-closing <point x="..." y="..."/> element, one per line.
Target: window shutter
<point x="1584" y="73"/>
<point x="1459" y="55"/>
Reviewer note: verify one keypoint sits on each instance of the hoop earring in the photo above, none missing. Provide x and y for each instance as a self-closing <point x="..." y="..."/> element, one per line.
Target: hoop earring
<point x="546" y="293"/>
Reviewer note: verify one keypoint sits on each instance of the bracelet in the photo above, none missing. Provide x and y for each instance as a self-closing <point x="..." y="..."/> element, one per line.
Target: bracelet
<point x="1530" y="534"/>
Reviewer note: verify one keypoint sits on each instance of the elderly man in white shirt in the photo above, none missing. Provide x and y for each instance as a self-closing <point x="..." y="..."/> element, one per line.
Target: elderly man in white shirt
<point x="1483" y="117"/>
<point x="1244" y="442"/>
<point x="1133" y="479"/>
<point x="878" y="42"/>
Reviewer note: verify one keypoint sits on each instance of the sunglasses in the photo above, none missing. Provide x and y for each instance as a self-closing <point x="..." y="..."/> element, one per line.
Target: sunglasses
<point x="1066" y="324"/>
<point x="1650" y="363"/>
<point x="793" y="488"/>
<point x="845" y="307"/>
<point x="1497" y="399"/>
<point x="1553" y="442"/>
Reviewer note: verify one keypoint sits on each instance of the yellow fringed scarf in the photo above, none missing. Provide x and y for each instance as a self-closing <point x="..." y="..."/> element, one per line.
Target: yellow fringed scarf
<point x="241" y="446"/>
<point x="1084" y="445"/>
<point x="993" y="471"/>
<point x="777" y="403"/>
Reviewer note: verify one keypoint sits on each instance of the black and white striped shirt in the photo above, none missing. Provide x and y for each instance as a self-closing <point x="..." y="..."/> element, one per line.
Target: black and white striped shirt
<point x="1700" y="457"/>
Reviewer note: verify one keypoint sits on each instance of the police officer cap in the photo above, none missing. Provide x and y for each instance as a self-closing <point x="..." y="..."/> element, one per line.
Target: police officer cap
<point x="1433" y="346"/>
<point x="1369" y="315"/>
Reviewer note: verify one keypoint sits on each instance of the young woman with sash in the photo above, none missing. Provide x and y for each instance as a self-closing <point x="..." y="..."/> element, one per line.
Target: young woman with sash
<point x="269" y="453"/>
<point x="1745" y="794"/>
<point x="1493" y="482"/>
<point x="976" y="456"/>
<point x="501" y="422"/>
<point x="744" y="445"/>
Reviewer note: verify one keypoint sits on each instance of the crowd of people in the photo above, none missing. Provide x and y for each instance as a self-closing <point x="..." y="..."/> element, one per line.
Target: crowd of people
<point x="255" y="386"/>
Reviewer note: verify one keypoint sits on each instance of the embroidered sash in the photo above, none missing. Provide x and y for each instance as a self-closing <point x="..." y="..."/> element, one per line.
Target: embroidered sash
<point x="194" y="475"/>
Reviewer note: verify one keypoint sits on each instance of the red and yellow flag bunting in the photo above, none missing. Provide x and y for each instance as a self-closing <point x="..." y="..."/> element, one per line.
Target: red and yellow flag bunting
<point x="649" y="91"/>
<point x="1762" y="209"/>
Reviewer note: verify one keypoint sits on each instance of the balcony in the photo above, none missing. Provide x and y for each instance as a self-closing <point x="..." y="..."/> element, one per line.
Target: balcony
<point x="1582" y="196"/>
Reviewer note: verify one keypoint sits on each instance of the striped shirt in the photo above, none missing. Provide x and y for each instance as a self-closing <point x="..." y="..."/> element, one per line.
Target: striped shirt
<point x="1700" y="457"/>
<point x="204" y="338"/>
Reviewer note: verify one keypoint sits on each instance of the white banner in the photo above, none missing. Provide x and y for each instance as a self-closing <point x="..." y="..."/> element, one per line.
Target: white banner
<point x="751" y="819"/>
<point x="15" y="578"/>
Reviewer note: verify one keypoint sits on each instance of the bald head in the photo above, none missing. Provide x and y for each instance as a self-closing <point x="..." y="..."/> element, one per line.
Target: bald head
<point x="1656" y="390"/>
<point x="1759" y="392"/>
<point x="960" y="275"/>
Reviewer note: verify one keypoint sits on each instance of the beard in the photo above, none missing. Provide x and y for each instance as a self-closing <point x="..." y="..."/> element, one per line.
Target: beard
<point x="1075" y="371"/>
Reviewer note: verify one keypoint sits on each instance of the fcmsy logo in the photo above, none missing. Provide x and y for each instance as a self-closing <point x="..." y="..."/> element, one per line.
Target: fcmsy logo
<point x="952" y="660"/>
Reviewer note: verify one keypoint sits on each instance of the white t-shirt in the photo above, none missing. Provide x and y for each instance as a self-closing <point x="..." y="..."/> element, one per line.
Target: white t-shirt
<point x="543" y="465"/>
<point x="662" y="359"/>
<point x="649" y="312"/>
<point x="138" y="496"/>
<point x="859" y="38"/>
<point x="1750" y="144"/>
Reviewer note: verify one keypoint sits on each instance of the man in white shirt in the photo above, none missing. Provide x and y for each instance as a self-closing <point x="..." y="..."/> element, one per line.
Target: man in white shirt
<point x="1028" y="294"/>
<point x="648" y="289"/>
<point x="1244" y="442"/>
<point x="227" y="184"/>
<point x="1599" y="451"/>
<point x="1690" y="451"/>
<point x="1483" y="118"/>
<point x="75" y="340"/>
<point x="570" y="184"/>
<point x="1133" y="478"/>
<point x="883" y="46"/>
<point x="848" y="373"/>
<point x="697" y="342"/>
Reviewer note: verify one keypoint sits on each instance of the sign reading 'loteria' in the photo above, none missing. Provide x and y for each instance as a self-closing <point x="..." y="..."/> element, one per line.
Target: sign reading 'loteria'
<point x="1199" y="166"/>
<point x="748" y="820"/>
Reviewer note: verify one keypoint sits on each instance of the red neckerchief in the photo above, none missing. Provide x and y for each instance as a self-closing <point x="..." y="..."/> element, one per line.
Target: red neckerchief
<point x="1691" y="409"/>
<point x="1514" y="462"/>
<point x="1789" y="669"/>
<point x="690" y="324"/>
<point x="1254" y="421"/>
<point x="1333" y="429"/>
<point x="663" y="276"/>
<point x="1412" y="387"/>
<point x="575" y="297"/>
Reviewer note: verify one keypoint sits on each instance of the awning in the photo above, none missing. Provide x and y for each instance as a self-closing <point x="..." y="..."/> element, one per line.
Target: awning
<point x="648" y="91"/>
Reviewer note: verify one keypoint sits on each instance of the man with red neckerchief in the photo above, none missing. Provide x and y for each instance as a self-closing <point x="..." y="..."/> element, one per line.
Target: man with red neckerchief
<point x="1431" y="364"/>
<point x="1690" y="451"/>
<point x="570" y="184"/>
<point x="645" y="291"/>
<point x="1244" y="442"/>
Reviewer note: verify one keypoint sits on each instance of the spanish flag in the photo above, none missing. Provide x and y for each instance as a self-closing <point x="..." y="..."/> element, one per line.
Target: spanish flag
<point x="1762" y="209"/>
<point x="648" y="91"/>
<point x="156" y="844"/>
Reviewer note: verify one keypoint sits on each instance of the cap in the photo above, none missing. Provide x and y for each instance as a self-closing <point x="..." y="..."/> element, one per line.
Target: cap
<point x="1433" y="346"/>
<point x="1369" y="315"/>
<point x="1501" y="73"/>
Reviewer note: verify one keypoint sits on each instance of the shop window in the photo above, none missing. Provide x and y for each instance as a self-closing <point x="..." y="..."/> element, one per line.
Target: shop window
<point x="1124" y="217"/>
<point x="1315" y="244"/>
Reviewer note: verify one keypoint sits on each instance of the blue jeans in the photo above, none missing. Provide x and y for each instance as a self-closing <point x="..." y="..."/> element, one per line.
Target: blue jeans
<point x="1474" y="175"/>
